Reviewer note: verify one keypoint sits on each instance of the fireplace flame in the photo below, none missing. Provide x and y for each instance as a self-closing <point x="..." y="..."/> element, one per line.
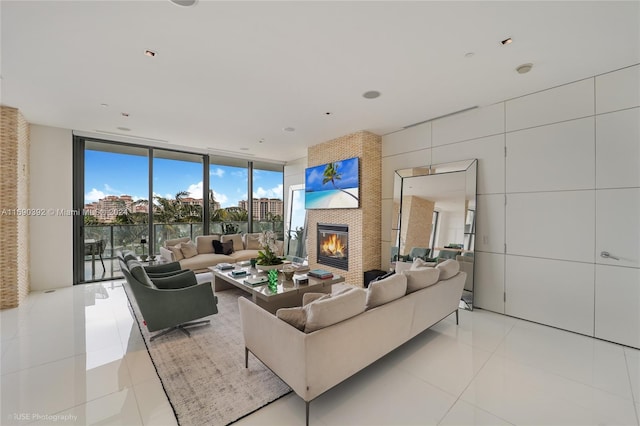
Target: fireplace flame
<point x="332" y="246"/>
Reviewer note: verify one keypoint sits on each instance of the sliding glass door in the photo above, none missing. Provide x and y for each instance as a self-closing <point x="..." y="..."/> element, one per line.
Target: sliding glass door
<point x="115" y="205"/>
<point x="132" y="197"/>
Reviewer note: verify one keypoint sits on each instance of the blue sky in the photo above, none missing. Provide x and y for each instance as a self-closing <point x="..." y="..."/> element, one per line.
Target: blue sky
<point x="118" y="174"/>
<point x="348" y="169"/>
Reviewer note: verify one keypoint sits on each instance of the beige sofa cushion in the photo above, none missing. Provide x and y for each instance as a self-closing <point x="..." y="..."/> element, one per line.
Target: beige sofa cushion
<point x="204" y="243"/>
<point x="334" y="309"/>
<point x="251" y="241"/>
<point x="386" y="290"/>
<point x="448" y="269"/>
<point x="420" y="278"/>
<point x="188" y="249"/>
<point x="203" y="261"/>
<point x="237" y="241"/>
<point x="296" y="317"/>
<point x="177" y="251"/>
<point x="175" y="242"/>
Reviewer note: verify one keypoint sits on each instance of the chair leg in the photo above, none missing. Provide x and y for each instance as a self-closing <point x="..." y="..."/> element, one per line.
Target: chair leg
<point x="181" y="327"/>
<point x="307" y="411"/>
<point x="246" y="357"/>
<point x="457" y="317"/>
<point x="102" y="261"/>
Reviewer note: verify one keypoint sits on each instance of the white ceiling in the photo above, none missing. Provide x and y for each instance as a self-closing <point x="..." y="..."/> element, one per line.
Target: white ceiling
<point x="228" y="74"/>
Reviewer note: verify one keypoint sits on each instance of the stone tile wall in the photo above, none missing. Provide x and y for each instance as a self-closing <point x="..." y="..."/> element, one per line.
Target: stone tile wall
<point x="364" y="222"/>
<point x="14" y="195"/>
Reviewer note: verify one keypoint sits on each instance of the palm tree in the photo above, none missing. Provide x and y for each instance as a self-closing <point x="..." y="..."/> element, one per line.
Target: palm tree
<point x="331" y="175"/>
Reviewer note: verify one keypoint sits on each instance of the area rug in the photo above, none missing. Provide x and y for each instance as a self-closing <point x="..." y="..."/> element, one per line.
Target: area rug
<point x="204" y="375"/>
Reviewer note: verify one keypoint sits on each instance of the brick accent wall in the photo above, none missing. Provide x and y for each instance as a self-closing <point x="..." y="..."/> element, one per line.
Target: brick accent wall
<point x="14" y="195"/>
<point x="364" y="222"/>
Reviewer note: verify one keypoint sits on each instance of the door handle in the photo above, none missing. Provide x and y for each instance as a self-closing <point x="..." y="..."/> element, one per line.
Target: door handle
<point x="607" y="255"/>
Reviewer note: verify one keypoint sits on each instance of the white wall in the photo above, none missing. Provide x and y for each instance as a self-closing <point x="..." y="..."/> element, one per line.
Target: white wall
<point x="567" y="189"/>
<point x="51" y="241"/>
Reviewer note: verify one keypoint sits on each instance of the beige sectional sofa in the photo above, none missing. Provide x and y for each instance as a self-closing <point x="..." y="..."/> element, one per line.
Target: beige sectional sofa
<point x="370" y="323"/>
<point x="200" y="255"/>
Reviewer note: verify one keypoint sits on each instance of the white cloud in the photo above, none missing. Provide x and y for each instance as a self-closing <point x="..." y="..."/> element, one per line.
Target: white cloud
<point x="221" y="198"/>
<point x="195" y="190"/>
<point x="217" y="172"/>
<point x="93" y="195"/>
<point x="110" y="189"/>
<point x="268" y="193"/>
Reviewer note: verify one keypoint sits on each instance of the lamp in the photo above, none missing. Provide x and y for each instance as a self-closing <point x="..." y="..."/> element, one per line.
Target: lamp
<point x="143" y="241"/>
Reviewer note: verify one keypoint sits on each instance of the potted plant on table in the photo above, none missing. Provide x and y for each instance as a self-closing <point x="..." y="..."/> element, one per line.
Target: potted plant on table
<point x="267" y="257"/>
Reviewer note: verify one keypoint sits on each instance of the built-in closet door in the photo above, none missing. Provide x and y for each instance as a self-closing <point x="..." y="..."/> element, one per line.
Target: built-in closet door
<point x="617" y="248"/>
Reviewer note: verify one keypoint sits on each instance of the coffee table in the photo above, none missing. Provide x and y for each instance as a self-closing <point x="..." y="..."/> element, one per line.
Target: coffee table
<point x="288" y="293"/>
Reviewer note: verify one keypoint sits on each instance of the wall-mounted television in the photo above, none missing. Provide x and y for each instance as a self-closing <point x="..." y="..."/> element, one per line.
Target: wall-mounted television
<point x="334" y="185"/>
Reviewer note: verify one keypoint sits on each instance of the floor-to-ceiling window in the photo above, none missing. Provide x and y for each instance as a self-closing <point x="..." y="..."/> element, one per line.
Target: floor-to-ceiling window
<point x="135" y="198"/>
<point x="268" y="205"/>
<point x="114" y="215"/>
<point x="228" y="188"/>
<point x="178" y="196"/>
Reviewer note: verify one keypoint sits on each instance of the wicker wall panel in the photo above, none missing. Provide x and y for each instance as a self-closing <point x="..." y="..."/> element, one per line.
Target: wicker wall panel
<point x="365" y="222"/>
<point x="14" y="198"/>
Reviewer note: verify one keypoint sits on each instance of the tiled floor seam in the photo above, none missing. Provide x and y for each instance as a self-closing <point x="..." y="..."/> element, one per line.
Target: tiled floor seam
<point x="636" y="406"/>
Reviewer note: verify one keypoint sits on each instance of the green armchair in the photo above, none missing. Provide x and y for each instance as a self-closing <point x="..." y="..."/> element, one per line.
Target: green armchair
<point x="169" y="300"/>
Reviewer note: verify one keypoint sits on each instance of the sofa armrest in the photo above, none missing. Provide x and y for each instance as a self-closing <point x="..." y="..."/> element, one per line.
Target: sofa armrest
<point x="167" y="255"/>
<point x="280" y="346"/>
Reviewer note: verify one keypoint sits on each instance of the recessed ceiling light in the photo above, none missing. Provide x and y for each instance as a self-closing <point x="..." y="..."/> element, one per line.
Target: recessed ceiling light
<point x="289" y="129"/>
<point x="184" y="3"/>
<point x="507" y="41"/>
<point x="371" y="94"/>
<point x="150" y="53"/>
<point x="469" y="55"/>
<point x="524" y="68"/>
<point x="124" y="114"/>
<point x="124" y="129"/>
<point x="104" y="105"/>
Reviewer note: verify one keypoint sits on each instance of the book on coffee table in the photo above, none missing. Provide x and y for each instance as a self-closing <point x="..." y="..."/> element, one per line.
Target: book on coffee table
<point x="320" y="273"/>
<point x="224" y="266"/>
<point x="238" y="273"/>
<point x="256" y="281"/>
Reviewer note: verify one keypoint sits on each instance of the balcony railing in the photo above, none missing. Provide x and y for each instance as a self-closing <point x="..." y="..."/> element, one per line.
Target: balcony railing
<point x="127" y="237"/>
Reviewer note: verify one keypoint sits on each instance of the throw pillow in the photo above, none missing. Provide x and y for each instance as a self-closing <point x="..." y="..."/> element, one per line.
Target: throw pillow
<point x="203" y="243"/>
<point x="418" y="263"/>
<point x="217" y="247"/>
<point x="334" y="309"/>
<point x="237" y="241"/>
<point x="296" y="317"/>
<point x="384" y="291"/>
<point x="176" y="241"/>
<point x="227" y="247"/>
<point x="251" y="241"/>
<point x="177" y="252"/>
<point x="188" y="249"/>
<point x="448" y="269"/>
<point x="421" y="278"/>
<point x="312" y="297"/>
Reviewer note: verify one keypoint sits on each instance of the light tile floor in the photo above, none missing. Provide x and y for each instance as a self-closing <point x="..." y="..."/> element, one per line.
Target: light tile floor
<point x="76" y="356"/>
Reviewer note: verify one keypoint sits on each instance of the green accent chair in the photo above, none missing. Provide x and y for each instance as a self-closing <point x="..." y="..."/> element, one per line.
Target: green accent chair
<point x="420" y="252"/>
<point x="169" y="302"/>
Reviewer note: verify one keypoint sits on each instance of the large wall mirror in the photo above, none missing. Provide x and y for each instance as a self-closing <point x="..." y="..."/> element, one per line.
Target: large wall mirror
<point x="434" y="217"/>
<point x="296" y="232"/>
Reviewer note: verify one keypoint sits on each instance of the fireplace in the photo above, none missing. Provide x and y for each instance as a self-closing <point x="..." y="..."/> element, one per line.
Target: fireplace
<point x="333" y="245"/>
